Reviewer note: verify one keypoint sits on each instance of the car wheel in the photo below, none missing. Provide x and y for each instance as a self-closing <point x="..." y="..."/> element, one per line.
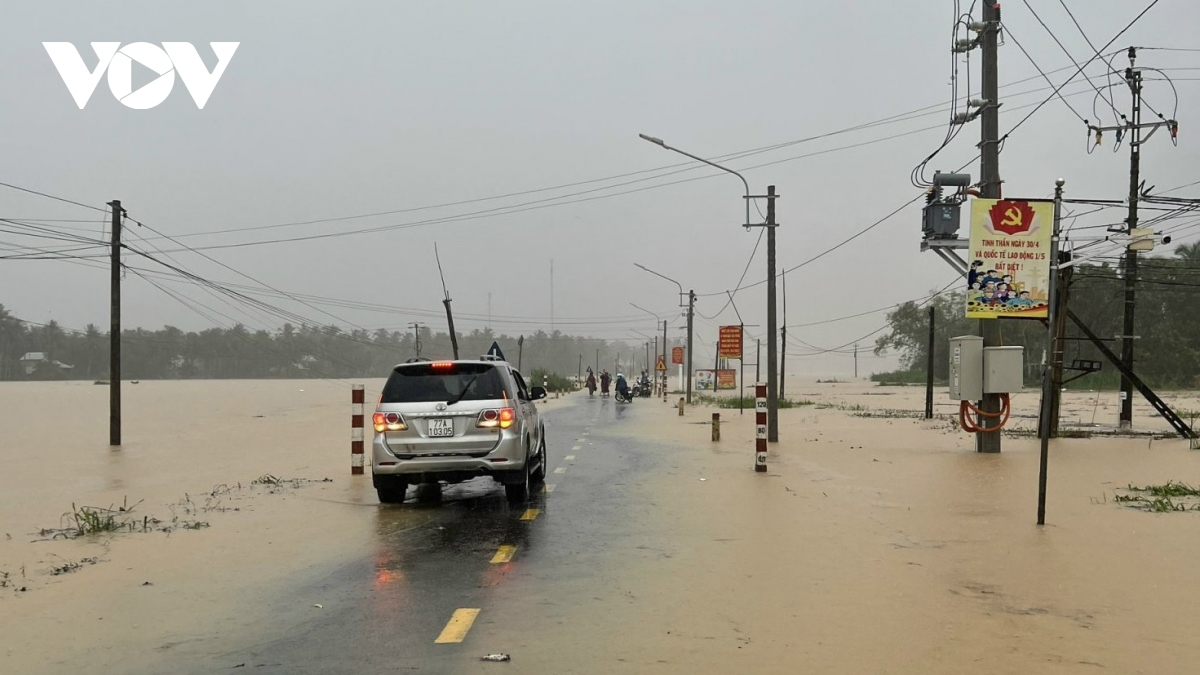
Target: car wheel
<point x="539" y="476"/>
<point x="393" y="493"/>
<point x="518" y="493"/>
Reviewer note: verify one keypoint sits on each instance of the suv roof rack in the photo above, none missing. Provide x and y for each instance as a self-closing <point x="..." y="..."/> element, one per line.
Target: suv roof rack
<point x="490" y="357"/>
<point x="417" y="359"/>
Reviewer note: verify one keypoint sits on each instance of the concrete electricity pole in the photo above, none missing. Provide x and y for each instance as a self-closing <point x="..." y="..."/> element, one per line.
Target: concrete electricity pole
<point x="1134" y="78"/>
<point x="990" y="183"/>
<point x="416" y="326"/>
<point x="691" y="313"/>
<point x="114" y="330"/>
<point x="1132" y="126"/>
<point x="772" y="326"/>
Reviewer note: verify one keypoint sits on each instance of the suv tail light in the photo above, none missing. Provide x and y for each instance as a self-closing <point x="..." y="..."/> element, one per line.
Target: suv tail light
<point x="496" y="417"/>
<point x="388" y="422"/>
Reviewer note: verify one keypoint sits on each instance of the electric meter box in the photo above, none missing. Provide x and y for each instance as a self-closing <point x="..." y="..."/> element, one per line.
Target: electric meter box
<point x="966" y="368"/>
<point x="1003" y="369"/>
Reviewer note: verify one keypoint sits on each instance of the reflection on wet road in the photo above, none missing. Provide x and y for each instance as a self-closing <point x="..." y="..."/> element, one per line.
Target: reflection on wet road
<point x="442" y="559"/>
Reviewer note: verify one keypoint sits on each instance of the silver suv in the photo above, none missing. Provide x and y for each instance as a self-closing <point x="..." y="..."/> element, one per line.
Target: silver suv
<point x="451" y="421"/>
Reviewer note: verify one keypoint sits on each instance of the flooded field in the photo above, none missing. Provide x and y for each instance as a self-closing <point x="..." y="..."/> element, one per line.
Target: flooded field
<point x="878" y="542"/>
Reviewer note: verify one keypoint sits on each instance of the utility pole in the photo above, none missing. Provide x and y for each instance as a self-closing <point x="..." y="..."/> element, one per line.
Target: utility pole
<point x="552" y="296"/>
<point x="1052" y="311"/>
<point x="416" y="326"/>
<point x="990" y="183"/>
<point x="114" y="330"/>
<point x="1060" y="338"/>
<point x="757" y="360"/>
<point x="520" y="351"/>
<point x="772" y="326"/>
<point x="664" y="358"/>
<point x="691" y="312"/>
<point x="856" y="360"/>
<point x="929" y="364"/>
<point x="446" y="302"/>
<point x="1132" y="127"/>
<point x="1134" y="78"/>
<point x="783" y="342"/>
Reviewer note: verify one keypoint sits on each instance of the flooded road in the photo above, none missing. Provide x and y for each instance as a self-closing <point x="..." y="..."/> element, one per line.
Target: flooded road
<point x="875" y="543"/>
<point x="463" y="549"/>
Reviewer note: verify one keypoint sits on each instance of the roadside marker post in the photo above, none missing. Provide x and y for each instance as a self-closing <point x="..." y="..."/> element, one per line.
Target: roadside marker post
<point x="760" y="427"/>
<point x="716" y="426"/>
<point x="356" y="430"/>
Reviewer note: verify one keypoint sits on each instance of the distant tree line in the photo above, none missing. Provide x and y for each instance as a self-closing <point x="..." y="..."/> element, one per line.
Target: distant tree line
<point x="1167" y="323"/>
<point x="289" y="352"/>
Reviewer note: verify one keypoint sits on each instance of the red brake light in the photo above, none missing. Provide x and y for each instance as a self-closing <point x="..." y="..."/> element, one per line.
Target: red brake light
<point x="507" y="416"/>
<point x="503" y="418"/>
<point x="441" y="365"/>
<point x="378" y="420"/>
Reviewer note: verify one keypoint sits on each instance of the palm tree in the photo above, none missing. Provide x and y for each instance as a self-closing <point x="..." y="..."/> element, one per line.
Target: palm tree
<point x="1189" y="253"/>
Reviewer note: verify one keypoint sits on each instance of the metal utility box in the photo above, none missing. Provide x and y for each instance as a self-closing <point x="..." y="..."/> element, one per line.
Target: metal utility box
<point x="966" y="368"/>
<point x="941" y="221"/>
<point x="1003" y="369"/>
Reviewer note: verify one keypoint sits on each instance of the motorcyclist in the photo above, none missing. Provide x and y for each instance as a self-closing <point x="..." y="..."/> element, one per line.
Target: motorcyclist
<point x="622" y="386"/>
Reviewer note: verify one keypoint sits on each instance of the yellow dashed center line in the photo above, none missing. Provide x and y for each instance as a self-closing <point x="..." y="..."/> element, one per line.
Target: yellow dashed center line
<point x="504" y="554"/>
<point x="456" y="629"/>
<point x="561" y="469"/>
<point x="530" y="514"/>
<point x="548" y="488"/>
<point x="569" y="458"/>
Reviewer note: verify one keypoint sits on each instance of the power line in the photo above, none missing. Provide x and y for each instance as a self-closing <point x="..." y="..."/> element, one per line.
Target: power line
<point x="1079" y="69"/>
<point x="50" y="196"/>
<point x="1037" y="67"/>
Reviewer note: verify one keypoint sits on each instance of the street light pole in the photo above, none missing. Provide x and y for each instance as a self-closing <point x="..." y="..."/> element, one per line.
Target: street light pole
<point x="770" y="224"/>
<point x="691" y="304"/>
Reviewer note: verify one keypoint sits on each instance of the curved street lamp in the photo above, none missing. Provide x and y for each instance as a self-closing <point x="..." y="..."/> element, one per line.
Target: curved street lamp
<point x="772" y="358"/>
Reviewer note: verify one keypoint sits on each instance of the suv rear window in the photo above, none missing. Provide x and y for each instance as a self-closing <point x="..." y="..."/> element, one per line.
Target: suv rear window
<point x="427" y="382"/>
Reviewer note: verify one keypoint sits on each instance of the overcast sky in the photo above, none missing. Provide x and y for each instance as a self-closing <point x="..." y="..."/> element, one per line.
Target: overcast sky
<point x="333" y="110"/>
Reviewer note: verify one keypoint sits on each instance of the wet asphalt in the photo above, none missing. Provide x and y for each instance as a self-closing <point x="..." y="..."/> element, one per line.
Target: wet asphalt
<point x="432" y="555"/>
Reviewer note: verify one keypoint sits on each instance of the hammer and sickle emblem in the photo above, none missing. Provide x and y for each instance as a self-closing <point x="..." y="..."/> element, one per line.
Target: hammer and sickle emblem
<point x="1012" y="217"/>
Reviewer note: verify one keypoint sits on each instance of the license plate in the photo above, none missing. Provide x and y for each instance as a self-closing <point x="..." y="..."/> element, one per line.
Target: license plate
<point x="440" y="427"/>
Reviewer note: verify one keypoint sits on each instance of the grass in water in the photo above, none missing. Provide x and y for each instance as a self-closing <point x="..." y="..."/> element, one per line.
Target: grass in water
<point x="1168" y="497"/>
<point x="746" y="402"/>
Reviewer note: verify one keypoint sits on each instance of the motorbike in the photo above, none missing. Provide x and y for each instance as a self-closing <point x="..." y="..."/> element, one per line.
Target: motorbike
<point x="643" y="388"/>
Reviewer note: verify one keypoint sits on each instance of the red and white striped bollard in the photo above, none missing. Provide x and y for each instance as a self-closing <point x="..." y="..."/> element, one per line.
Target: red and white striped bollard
<point x="356" y="430"/>
<point x="760" y="427"/>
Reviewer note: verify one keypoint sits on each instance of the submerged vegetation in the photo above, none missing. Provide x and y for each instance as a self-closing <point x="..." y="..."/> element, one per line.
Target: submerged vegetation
<point x="1168" y="497"/>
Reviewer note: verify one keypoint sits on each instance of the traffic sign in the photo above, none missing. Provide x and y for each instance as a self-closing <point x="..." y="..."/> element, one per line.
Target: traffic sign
<point x="661" y="366"/>
<point x="495" y="351"/>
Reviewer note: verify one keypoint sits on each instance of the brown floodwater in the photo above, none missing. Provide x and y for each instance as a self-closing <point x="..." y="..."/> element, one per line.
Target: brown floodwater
<point x="876" y="543"/>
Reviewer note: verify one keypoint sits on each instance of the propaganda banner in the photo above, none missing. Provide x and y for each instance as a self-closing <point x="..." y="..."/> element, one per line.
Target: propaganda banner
<point x="726" y="378"/>
<point x="730" y="342"/>
<point x="1009" y="274"/>
<point x="677" y="355"/>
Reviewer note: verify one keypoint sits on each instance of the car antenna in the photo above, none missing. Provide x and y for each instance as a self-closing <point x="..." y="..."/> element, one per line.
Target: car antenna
<point x="446" y="302"/>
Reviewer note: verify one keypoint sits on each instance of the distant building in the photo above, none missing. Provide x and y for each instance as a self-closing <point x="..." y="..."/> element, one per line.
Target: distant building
<point x="32" y="361"/>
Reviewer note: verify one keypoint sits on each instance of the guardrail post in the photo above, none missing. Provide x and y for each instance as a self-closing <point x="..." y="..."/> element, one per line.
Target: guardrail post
<point x="760" y="427"/>
<point x="356" y="430"/>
